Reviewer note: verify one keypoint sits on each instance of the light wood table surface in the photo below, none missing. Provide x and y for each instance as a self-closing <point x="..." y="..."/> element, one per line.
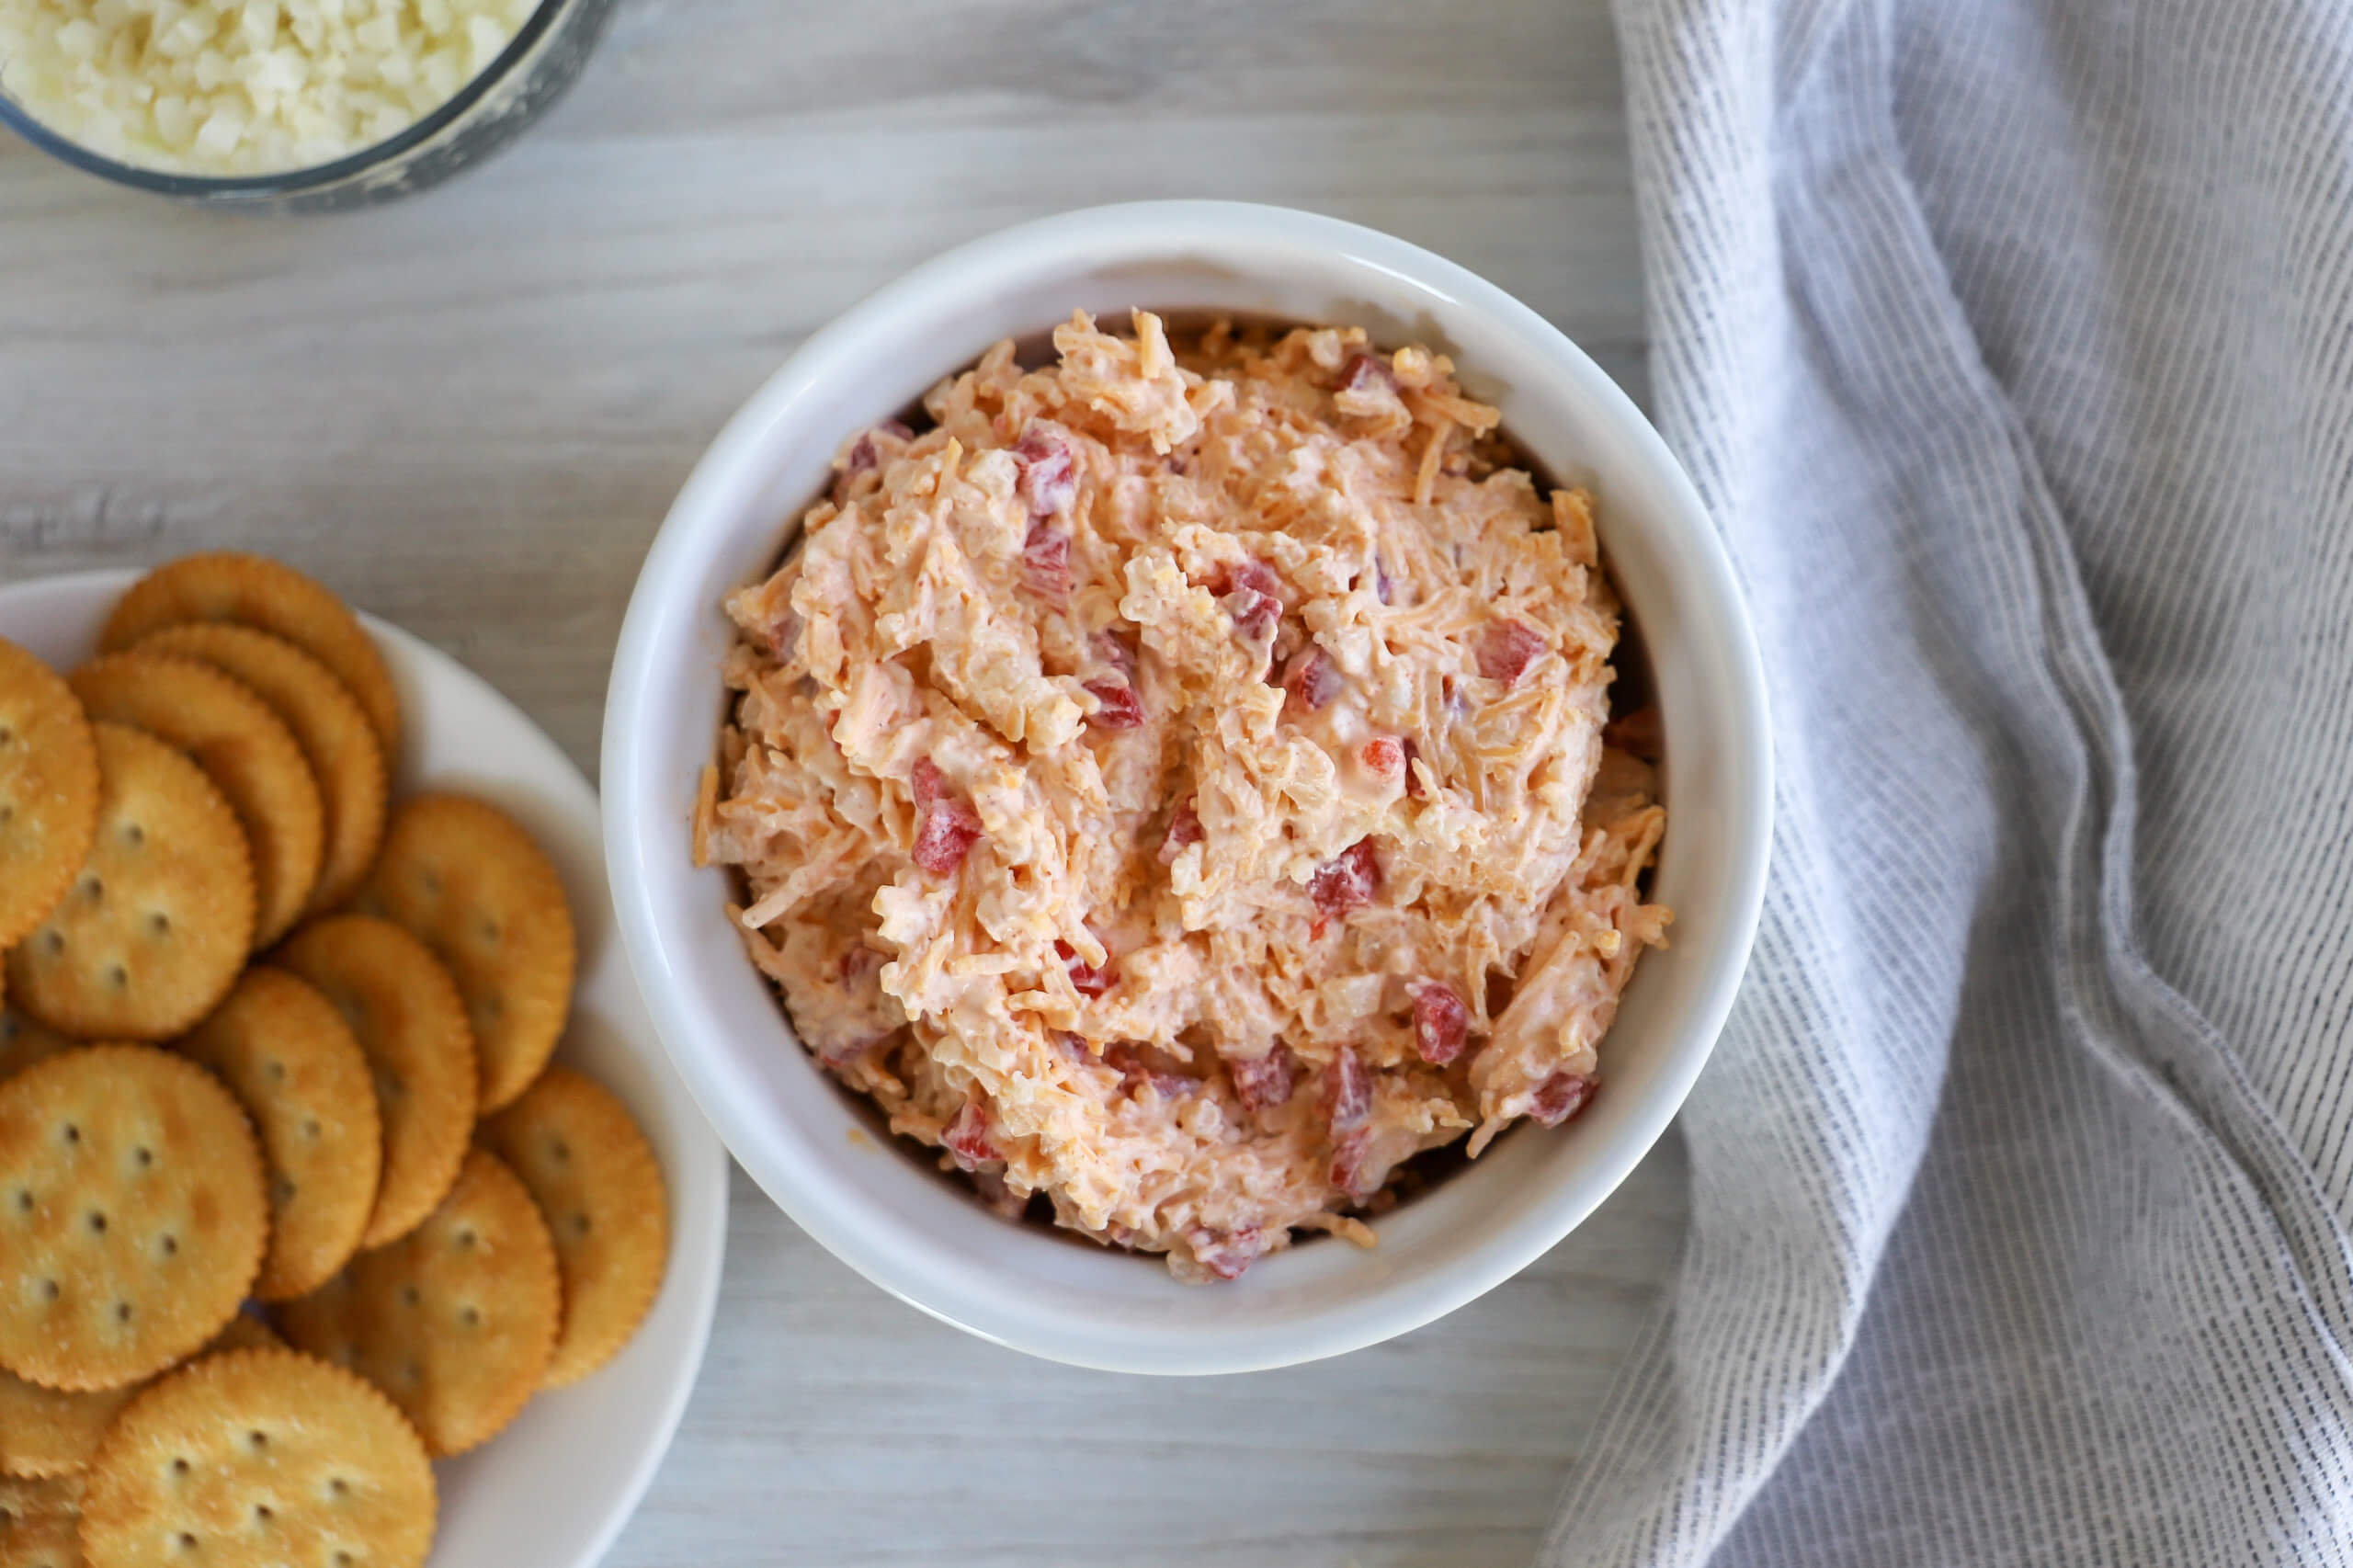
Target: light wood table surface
<point x="468" y="412"/>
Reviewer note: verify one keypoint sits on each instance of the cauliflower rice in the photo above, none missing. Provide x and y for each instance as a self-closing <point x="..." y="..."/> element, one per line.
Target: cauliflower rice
<point x="1175" y="784"/>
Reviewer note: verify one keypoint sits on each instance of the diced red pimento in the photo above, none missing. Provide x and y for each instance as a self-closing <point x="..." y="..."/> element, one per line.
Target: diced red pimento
<point x="1346" y="881"/>
<point x="1117" y="650"/>
<point x="1227" y="1252"/>
<point x="1384" y="757"/>
<point x="946" y="824"/>
<point x="863" y="455"/>
<point x="1135" y="1072"/>
<point x="1347" y="1090"/>
<point x="1366" y="372"/>
<point x="1347" y="1169"/>
<point x="842" y="1056"/>
<point x="1046" y="477"/>
<point x="967" y="1137"/>
<point x="1045" y="564"/>
<point x="1413" y="778"/>
<point x="857" y="965"/>
<point x="1122" y="710"/>
<point x="1441" y="1023"/>
<point x="1252" y="595"/>
<point x="1560" y="1097"/>
<point x="1506" y="649"/>
<point x="1312" y="679"/>
<point x="1088" y="979"/>
<point x="1184" y="827"/>
<point x="1263" y="1083"/>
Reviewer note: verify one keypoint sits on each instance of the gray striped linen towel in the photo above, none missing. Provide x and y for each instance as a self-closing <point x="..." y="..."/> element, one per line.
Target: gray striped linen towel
<point x="2012" y="343"/>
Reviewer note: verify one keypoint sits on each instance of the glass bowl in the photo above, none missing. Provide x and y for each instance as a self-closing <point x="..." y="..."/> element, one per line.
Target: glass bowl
<point x="542" y="60"/>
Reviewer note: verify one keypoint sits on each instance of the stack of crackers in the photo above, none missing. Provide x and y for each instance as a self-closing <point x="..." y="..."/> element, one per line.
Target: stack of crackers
<point x="292" y="1200"/>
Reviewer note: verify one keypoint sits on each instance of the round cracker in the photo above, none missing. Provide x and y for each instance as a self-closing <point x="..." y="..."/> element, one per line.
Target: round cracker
<point x="255" y="1459"/>
<point x="270" y="597"/>
<point x="132" y="1215"/>
<point x="49" y="790"/>
<point x="463" y="878"/>
<point x="40" y="1522"/>
<point x="243" y="747"/>
<point x="404" y="1012"/>
<point x="595" y="1179"/>
<point x="286" y="1054"/>
<point x="155" y="928"/>
<point x="326" y="722"/>
<point x="51" y="1432"/>
<point x="457" y="1321"/>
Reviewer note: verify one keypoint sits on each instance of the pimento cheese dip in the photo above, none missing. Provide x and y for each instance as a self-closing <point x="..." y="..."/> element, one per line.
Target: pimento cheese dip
<point x="1176" y="783"/>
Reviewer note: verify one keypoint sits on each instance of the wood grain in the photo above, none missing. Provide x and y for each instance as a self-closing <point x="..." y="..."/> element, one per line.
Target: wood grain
<point x="468" y="412"/>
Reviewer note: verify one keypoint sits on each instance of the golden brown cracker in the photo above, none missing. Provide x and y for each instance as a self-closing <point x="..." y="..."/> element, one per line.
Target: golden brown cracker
<point x="594" y="1177"/>
<point x="157" y="924"/>
<point x="132" y="1214"/>
<point x="51" y="1432"/>
<point x="49" y="790"/>
<point x="287" y="1055"/>
<point x="327" y="722"/>
<point x="457" y="1321"/>
<point x="463" y="878"/>
<point x="404" y="1010"/>
<point x="40" y="1522"/>
<point x="259" y="1458"/>
<point x="269" y="596"/>
<point x="243" y="747"/>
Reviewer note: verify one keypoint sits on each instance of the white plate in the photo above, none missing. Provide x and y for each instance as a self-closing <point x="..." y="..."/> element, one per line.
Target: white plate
<point x="554" y="1488"/>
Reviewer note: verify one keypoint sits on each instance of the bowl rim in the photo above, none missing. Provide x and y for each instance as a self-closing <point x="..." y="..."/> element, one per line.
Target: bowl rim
<point x="698" y="524"/>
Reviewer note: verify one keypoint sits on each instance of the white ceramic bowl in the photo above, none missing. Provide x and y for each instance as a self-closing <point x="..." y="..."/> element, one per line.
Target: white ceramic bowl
<point x="882" y="1212"/>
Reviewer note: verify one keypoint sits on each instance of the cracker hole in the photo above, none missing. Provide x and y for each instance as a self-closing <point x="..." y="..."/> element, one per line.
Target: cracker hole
<point x="310" y="1127"/>
<point x="97" y="1222"/>
<point x="342" y="1560"/>
<point x="118" y="976"/>
<point x="580" y="1224"/>
<point x="133" y="834"/>
<point x="144" y="1156"/>
<point x="6" y="735"/>
<point x="8" y="813"/>
<point x="559" y="1150"/>
<point x="256" y="1441"/>
<point x="262" y="1516"/>
<point x="408" y="1296"/>
<point x="431" y="881"/>
<point x="490" y="932"/>
<point x="122" y="1312"/>
<point x="24" y="1200"/>
<point x="91" y="888"/>
<point x="471" y="1316"/>
<point x="159" y="923"/>
<point x="71" y="1133"/>
<point x="54" y="941"/>
<point x="187" y="1541"/>
<point x="168" y="1245"/>
<point x="281" y="1192"/>
<point x="338" y="1487"/>
<point x="277" y="1071"/>
<point x="466" y="1238"/>
<point x="414" y="1373"/>
<point x="179" y="1467"/>
<point x="48" y="1289"/>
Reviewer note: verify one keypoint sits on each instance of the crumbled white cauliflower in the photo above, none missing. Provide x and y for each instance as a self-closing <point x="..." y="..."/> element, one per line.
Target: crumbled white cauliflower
<point x="234" y="87"/>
